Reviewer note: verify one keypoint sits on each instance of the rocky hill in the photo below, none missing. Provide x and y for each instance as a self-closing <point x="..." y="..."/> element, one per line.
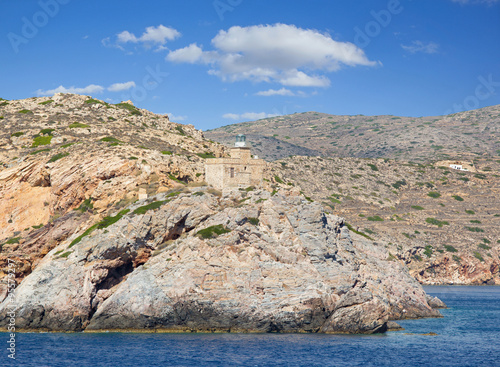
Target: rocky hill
<point x="109" y="225"/>
<point x="464" y="135"/>
<point x="444" y="223"/>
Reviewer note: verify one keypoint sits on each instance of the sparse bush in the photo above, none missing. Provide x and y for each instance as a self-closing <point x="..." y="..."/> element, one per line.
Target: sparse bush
<point x="484" y="246"/>
<point x="254" y="221"/>
<point x="25" y="111"/>
<point x="450" y="248"/>
<point x="417" y="207"/>
<point x="475" y="229"/>
<point x="46" y="131"/>
<point x="470" y="212"/>
<point x="17" y="134"/>
<point x="58" y="156"/>
<point x="166" y="152"/>
<point x="436" y="222"/>
<point x="475" y="221"/>
<point x="154" y="205"/>
<point x="478" y="256"/>
<point x="278" y="180"/>
<point x="433" y="194"/>
<point x="41" y="140"/>
<point x="458" y="198"/>
<point x="398" y="184"/>
<point x="375" y="218"/>
<point x="428" y="251"/>
<point x="110" y="139"/>
<point x="77" y="125"/>
<point x="206" y="155"/>
<point x="456" y="258"/>
<point x="212" y="231"/>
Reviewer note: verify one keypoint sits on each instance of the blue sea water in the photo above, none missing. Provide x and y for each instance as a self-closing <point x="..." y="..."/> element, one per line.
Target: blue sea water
<point x="468" y="335"/>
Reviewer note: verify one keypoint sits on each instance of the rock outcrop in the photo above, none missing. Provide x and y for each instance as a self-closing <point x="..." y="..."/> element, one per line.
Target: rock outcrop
<point x="244" y="261"/>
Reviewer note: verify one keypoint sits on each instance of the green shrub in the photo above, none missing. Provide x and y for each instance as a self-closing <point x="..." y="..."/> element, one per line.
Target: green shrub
<point x="46" y="102"/>
<point x="92" y="101"/>
<point x="133" y="158"/>
<point x="428" y="251"/>
<point x="475" y="221"/>
<point x="456" y="258"/>
<point x="478" y="256"/>
<point x="58" y="156"/>
<point x="470" y="212"/>
<point x="450" y="248"/>
<point x="12" y="240"/>
<point x="212" y="231"/>
<point x="358" y="232"/>
<point x="254" y="221"/>
<point x="417" y="207"/>
<point x="434" y="194"/>
<point x="85" y="206"/>
<point x="77" y="125"/>
<point x="484" y="246"/>
<point x="373" y="167"/>
<point x="180" y="130"/>
<point x="199" y="193"/>
<point x="485" y="240"/>
<point x="66" y="254"/>
<point x="475" y="229"/>
<point x="40" y="151"/>
<point x="458" y="198"/>
<point x="398" y="184"/>
<point x="166" y="152"/>
<point x="436" y="222"/>
<point x="154" y="205"/>
<point x="375" y="218"/>
<point x="110" y="139"/>
<point x="17" y="134"/>
<point x="205" y="155"/>
<point x="67" y="145"/>
<point x="25" y="111"/>
<point x="480" y="176"/>
<point x="106" y="222"/>
<point x="41" y="140"/>
<point x="173" y="178"/>
<point x="278" y="180"/>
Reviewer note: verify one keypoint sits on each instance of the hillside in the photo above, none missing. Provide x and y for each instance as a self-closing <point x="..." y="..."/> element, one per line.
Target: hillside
<point x="464" y="135"/>
<point x="443" y="223"/>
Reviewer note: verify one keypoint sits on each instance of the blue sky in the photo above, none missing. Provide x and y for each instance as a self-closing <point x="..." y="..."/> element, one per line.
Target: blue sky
<point x="212" y="63"/>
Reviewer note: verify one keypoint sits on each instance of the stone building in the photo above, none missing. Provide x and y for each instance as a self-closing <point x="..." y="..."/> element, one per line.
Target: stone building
<point x="241" y="170"/>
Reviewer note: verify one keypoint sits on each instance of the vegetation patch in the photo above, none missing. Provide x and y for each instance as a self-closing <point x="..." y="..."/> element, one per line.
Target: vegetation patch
<point x="12" y="240"/>
<point x="41" y="140"/>
<point x="417" y="207"/>
<point x="58" y="156"/>
<point x="475" y="229"/>
<point x="450" y="248"/>
<point x="278" y="180"/>
<point x="67" y="145"/>
<point x="358" y="232"/>
<point x="375" y="218"/>
<point x="478" y="256"/>
<point x="433" y="194"/>
<point x="46" y="102"/>
<point x="480" y="176"/>
<point x="373" y="167"/>
<point x="254" y="221"/>
<point x="199" y="193"/>
<point x="85" y="206"/>
<point x="77" y="125"/>
<point x="24" y="111"/>
<point x="212" y="231"/>
<point x="398" y="184"/>
<point x="436" y="222"/>
<point x="428" y="251"/>
<point x="152" y="206"/>
<point x="180" y="130"/>
<point x="173" y="178"/>
<point x="206" y="155"/>
<point x="17" y="134"/>
<point x="93" y="101"/>
<point x="458" y="198"/>
<point x="66" y="254"/>
<point x="470" y="212"/>
<point x="484" y="246"/>
<point x="166" y="152"/>
<point x="40" y="151"/>
<point x="110" y="139"/>
<point x="106" y="222"/>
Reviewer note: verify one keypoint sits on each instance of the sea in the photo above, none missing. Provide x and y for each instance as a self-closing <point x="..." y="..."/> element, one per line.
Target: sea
<point x="468" y="335"/>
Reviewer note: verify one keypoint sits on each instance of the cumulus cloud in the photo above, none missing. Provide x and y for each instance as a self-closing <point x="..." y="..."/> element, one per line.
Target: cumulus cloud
<point x="89" y="89"/>
<point x="248" y="116"/>
<point x="157" y="35"/>
<point x="119" y="87"/>
<point x="419" y="46"/>
<point x="173" y="117"/>
<point x="274" y="92"/>
<point x="279" y="53"/>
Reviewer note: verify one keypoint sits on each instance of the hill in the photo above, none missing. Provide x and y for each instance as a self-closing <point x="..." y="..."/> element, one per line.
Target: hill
<point x="464" y="135"/>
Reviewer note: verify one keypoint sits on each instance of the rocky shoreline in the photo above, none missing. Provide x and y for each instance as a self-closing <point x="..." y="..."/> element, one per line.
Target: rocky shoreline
<point x="205" y="261"/>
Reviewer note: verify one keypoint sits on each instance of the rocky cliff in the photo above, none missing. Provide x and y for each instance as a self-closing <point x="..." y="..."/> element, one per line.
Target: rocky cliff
<point x="199" y="260"/>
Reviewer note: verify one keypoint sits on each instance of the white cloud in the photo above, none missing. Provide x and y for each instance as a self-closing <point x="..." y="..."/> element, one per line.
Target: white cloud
<point x="249" y="116"/>
<point x="89" y="89"/>
<point x="119" y="87"/>
<point x="274" y="92"/>
<point x="173" y="117"/>
<point x="274" y="53"/>
<point x="419" y="46"/>
<point x="158" y="35"/>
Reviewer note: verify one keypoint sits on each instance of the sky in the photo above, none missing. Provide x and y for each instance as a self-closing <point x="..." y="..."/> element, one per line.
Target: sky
<point x="215" y="62"/>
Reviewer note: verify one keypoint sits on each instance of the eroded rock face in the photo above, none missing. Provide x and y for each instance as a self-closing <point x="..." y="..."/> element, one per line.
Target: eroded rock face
<point x="279" y="264"/>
